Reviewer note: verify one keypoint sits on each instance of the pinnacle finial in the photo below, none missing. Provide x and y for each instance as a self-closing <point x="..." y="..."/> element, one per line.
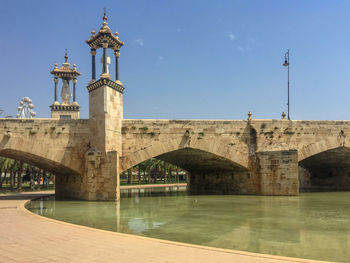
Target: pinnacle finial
<point x="249" y="116"/>
<point x="283" y="115"/>
<point x="66" y="56"/>
<point x="104" y="15"/>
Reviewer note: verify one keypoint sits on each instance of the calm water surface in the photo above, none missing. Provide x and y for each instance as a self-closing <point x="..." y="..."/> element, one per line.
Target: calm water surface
<point x="313" y="225"/>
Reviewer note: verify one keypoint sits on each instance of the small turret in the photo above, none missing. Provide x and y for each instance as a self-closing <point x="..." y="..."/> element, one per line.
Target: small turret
<point x="65" y="109"/>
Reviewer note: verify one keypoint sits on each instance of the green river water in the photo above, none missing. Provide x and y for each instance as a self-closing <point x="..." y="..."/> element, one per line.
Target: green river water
<point x="312" y="225"/>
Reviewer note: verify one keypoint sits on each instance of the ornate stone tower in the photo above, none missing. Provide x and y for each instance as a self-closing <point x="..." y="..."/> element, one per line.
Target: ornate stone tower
<point x="105" y="117"/>
<point x="65" y="110"/>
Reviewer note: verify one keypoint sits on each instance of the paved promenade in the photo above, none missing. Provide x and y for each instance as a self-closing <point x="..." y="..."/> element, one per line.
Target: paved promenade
<point x="26" y="237"/>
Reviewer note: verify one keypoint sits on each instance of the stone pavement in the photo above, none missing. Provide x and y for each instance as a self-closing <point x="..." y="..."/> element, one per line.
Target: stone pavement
<point x="26" y="237"/>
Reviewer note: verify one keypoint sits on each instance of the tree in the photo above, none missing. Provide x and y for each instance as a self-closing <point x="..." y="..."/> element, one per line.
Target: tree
<point x="5" y="167"/>
<point x="151" y="166"/>
<point x="129" y="171"/>
<point x="19" y="173"/>
<point x="154" y="170"/>
<point x="11" y="172"/>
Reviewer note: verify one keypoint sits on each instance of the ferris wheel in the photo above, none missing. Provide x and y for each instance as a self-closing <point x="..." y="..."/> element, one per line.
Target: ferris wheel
<point x="25" y="109"/>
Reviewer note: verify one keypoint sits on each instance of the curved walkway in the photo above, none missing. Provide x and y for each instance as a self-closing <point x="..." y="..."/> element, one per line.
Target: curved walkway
<point x="26" y="237"/>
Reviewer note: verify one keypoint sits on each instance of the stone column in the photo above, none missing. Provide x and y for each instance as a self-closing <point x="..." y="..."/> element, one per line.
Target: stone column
<point x="117" y="54"/>
<point x="74" y="92"/>
<point x="104" y="68"/>
<point x="93" y="63"/>
<point x="56" y="82"/>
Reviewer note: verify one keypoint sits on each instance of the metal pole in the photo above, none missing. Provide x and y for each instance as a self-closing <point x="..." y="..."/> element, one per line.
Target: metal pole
<point x="288" y="83"/>
<point x="286" y="64"/>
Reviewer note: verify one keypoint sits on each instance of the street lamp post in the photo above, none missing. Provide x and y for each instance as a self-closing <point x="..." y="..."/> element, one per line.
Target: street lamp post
<point x="286" y="64"/>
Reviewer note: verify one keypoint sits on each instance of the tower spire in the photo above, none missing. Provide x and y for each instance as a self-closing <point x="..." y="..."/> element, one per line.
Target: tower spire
<point x="104" y="16"/>
<point x="66" y="109"/>
<point x="105" y="40"/>
<point x="66" y="56"/>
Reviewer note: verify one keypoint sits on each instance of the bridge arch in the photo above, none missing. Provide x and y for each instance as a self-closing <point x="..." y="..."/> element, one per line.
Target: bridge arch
<point x="38" y="161"/>
<point x="42" y="155"/>
<point x="161" y="148"/>
<point x="325" y="165"/>
<point x="214" y="168"/>
<point x="330" y="143"/>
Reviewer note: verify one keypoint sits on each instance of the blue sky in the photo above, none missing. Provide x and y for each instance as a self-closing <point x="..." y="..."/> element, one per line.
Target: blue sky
<point x="186" y="59"/>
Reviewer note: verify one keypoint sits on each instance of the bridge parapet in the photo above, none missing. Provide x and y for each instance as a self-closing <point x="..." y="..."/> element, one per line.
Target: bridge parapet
<point x="140" y="137"/>
<point x="55" y="145"/>
<point x="308" y="137"/>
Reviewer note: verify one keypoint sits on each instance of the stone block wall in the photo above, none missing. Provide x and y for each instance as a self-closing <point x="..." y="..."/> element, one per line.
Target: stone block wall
<point x="57" y="114"/>
<point x="55" y="145"/>
<point x="70" y="186"/>
<point x="278" y="171"/>
<point x="223" y="182"/>
<point x="106" y="115"/>
<point x="304" y="180"/>
<point x="257" y="156"/>
<point x="102" y="166"/>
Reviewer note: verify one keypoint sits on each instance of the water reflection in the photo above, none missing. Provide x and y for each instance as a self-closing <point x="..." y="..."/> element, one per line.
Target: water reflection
<point x="153" y="191"/>
<point x="314" y="225"/>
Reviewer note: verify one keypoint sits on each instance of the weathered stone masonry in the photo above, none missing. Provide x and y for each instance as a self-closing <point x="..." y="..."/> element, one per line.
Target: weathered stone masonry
<point x="268" y="157"/>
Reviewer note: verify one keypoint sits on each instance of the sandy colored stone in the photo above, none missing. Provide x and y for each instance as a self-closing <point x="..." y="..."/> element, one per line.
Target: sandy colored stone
<point x="115" y="144"/>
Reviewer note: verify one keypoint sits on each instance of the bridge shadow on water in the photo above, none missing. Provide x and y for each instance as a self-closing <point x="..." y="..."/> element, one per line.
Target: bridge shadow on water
<point x="24" y="196"/>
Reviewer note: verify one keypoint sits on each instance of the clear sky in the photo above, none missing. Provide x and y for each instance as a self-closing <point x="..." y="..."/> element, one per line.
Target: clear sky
<point x="186" y="59"/>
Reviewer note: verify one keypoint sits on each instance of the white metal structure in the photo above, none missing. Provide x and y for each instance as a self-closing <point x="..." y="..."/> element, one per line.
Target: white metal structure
<point x="25" y="109"/>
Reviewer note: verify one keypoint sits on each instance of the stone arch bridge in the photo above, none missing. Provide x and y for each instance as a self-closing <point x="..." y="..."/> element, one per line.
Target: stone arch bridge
<point x="267" y="157"/>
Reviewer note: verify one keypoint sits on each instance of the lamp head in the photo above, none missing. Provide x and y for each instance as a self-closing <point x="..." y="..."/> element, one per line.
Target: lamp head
<point x="286" y="64"/>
